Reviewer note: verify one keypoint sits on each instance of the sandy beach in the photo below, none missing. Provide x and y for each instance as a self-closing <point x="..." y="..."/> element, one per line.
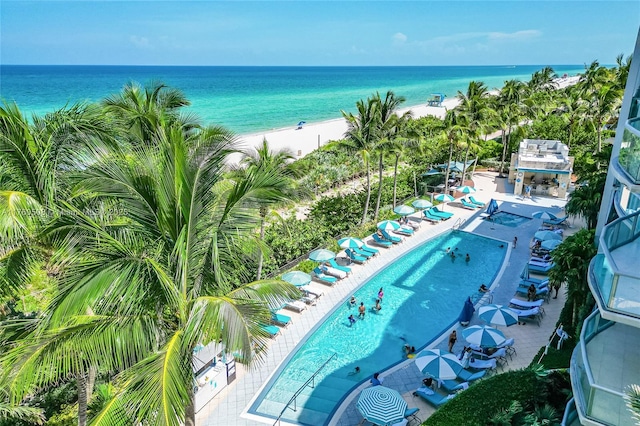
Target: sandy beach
<point x="313" y="135"/>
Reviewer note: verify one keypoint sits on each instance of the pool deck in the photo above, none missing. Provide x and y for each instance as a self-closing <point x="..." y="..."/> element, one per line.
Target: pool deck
<point x="230" y="405"/>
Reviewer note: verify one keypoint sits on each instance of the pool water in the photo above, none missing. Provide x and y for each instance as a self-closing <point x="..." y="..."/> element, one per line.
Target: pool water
<point x="424" y="292"/>
<point x="508" y="219"/>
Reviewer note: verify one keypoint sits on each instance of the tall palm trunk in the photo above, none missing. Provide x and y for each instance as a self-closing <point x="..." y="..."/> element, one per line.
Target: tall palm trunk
<point x="81" y="380"/>
<point x="190" y="412"/>
<point x="504" y="152"/>
<point x="375" y="214"/>
<point x="446" y="174"/>
<point x="263" y="215"/>
<point x="395" y="179"/>
<point x="366" y="203"/>
<point x="466" y="158"/>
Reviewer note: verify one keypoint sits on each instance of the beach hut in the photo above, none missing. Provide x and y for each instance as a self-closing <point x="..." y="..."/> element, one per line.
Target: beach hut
<point x="436" y="99"/>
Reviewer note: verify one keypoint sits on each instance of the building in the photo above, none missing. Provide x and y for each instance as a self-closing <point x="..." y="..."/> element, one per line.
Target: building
<point x="543" y="166"/>
<point x="606" y="360"/>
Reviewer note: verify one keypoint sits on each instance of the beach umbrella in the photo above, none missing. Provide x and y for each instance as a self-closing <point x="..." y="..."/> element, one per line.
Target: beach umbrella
<point x="322" y="255"/>
<point x="467" y="312"/>
<point x="297" y="278"/>
<point x="389" y="225"/>
<point x="443" y="198"/>
<point x="550" y="244"/>
<point x="381" y="406"/>
<point x="438" y="364"/>
<point x="403" y="210"/>
<point x="492" y="207"/>
<point x="422" y="204"/>
<point x="466" y="189"/>
<point x="543" y="215"/>
<point x="547" y="235"/>
<point x="350" y="242"/>
<point x="498" y="315"/>
<point x="300" y="123"/>
<point x="483" y="335"/>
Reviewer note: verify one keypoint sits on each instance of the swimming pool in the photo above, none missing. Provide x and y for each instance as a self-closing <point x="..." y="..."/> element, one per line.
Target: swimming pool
<point x="424" y="292"/>
<point x="508" y="219"/>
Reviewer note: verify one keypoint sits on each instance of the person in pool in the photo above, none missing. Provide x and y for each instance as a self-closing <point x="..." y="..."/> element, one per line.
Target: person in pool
<point x="483" y="289"/>
<point x="352" y="301"/>
<point x="361" y="310"/>
<point x="468" y="258"/>
<point x="380" y="294"/>
<point x="352" y="320"/>
<point x="377" y="307"/>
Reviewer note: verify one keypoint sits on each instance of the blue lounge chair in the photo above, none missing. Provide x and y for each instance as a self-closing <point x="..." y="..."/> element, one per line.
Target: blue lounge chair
<point x="555" y="222"/>
<point x="532" y="314"/>
<point x="271" y="330"/>
<point x="476" y="202"/>
<point x="379" y="241"/>
<point x="394" y="240"/>
<point x="523" y="304"/>
<point x="541" y="293"/>
<point x="465" y="376"/>
<point x="322" y="277"/>
<point x="538" y="282"/>
<point x="434" y="399"/>
<point x="540" y="267"/>
<point x="279" y="319"/>
<point x="412" y="414"/>
<point x="334" y="264"/>
<point x="404" y="231"/>
<point x="440" y="213"/>
<point x="468" y="205"/>
<point x="369" y="249"/>
<point x="469" y="376"/>
<point x="354" y="257"/>
<point x="427" y="215"/>
<point x="362" y="253"/>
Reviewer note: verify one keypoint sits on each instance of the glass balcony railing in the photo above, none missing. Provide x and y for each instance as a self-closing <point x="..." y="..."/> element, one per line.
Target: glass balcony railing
<point x="598" y="403"/>
<point x="613" y="273"/>
<point x="629" y="157"/>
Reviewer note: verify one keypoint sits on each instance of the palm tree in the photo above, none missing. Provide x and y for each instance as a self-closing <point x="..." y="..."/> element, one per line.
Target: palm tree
<point x="274" y="168"/>
<point x="605" y="102"/>
<point x="543" y="80"/>
<point x="176" y="258"/>
<point x="508" y="113"/>
<point x="573" y="110"/>
<point x="473" y="108"/>
<point x="632" y="398"/>
<point x="585" y="200"/>
<point x="454" y="134"/>
<point x="398" y="147"/>
<point x="361" y="137"/>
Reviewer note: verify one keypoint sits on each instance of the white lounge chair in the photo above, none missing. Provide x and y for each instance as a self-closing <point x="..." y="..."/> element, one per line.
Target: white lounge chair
<point x="295" y="305"/>
<point x="334" y="272"/>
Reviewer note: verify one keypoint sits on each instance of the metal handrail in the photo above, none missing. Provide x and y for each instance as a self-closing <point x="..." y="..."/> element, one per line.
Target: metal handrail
<point x="310" y="380"/>
<point x="458" y="224"/>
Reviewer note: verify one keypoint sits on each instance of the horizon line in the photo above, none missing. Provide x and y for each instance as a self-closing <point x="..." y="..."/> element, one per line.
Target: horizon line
<point x="290" y="66"/>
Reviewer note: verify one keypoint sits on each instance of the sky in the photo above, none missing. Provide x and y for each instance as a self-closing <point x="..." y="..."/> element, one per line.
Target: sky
<point x="305" y="33"/>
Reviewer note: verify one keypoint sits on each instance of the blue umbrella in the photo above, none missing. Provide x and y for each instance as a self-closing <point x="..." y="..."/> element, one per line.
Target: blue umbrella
<point x="466" y="189"/>
<point x="438" y="364"/>
<point x="350" y="242"/>
<point x="297" y="278"/>
<point x="322" y="255"/>
<point x="498" y="315"/>
<point x="444" y="198"/>
<point x="543" y="215"/>
<point x="547" y="235"/>
<point x="467" y="312"/>
<point x="492" y="207"/>
<point x="381" y="406"/>
<point x="403" y="210"/>
<point x="483" y="335"/>
<point x="300" y="123"/>
<point x="550" y="244"/>
<point x="422" y="204"/>
<point x="389" y="225"/>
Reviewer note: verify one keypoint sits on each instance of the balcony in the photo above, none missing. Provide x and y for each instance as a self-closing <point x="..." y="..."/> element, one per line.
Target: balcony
<point x="626" y="166"/>
<point x="603" y="365"/>
<point x="614" y="277"/>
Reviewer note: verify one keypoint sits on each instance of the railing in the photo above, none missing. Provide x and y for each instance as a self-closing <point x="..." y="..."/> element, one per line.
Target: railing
<point x="629" y="157"/>
<point x="310" y="382"/>
<point x="458" y="223"/>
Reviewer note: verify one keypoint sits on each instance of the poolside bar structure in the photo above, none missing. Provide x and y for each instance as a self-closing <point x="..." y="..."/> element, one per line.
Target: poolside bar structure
<point x="543" y="165"/>
<point x="605" y="363"/>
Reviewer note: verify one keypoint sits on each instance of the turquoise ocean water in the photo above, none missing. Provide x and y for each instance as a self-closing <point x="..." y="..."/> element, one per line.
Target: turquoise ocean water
<point x="252" y="99"/>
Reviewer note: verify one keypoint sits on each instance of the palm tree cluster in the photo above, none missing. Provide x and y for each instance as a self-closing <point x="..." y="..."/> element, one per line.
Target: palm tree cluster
<point x="129" y="208"/>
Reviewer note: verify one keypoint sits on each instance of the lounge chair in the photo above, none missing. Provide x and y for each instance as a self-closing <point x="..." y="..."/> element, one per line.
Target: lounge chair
<point x="427" y="215"/>
<point x="469" y="376"/>
<point x="324" y="278"/>
<point x="271" y="330"/>
<point x="295" y="305"/>
<point x="508" y="345"/>
<point x="369" y="249"/>
<point x="280" y="319"/>
<point x="408" y="231"/>
<point x="379" y="241"/>
<point x="412" y="414"/>
<point x="468" y="205"/>
<point x="362" y="253"/>
<point x="354" y="257"/>
<point x="335" y="265"/>
<point x="482" y="364"/>
<point x="476" y="202"/>
<point x="309" y="299"/>
<point x="540" y="267"/>
<point x="541" y="293"/>
<point x="440" y="213"/>
<point x="432" y="397"/>
<point x="466" y="376"/>
<point x="528" y="314"/>
<point x="523" y="304"/>
<point x="453" y="385"/>
<point x="555" y="222"/>
<point x="308" y="290"/>
<point x="393" y="239"/>
<point x="334" y="272"/>
<point x="538" y="282"/>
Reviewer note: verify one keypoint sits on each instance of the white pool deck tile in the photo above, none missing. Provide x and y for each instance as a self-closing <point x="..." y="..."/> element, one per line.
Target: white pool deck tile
<point x="230" y="405"/>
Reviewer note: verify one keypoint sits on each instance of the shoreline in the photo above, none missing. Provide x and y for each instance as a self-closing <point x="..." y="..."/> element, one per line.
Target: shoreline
<point x="314" y="135"/>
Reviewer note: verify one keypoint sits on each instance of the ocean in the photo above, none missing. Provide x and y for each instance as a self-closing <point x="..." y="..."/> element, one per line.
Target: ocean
<point x="252" y="99"/>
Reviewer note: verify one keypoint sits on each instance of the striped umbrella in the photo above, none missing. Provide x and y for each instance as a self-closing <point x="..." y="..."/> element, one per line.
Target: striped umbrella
<point x="498" y="315"/>
<point x="443" y="198"/>
<point x="483" y="335"/>
<point x="350" y="242"/>
<point x="438" y="364"/>
<point x="422" y="204"/>
<point x="297" y="278"/>
<point x="466" y="189"/>
<point x="543" y="215"/>
<point x="403" y="210"/>
<point x="322" y="255"/>
<point x="381" y="406"/>
<point x="389" y="225"/>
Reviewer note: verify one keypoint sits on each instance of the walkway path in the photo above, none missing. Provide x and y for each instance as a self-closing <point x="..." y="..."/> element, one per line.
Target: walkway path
<point x="228" y="407"/>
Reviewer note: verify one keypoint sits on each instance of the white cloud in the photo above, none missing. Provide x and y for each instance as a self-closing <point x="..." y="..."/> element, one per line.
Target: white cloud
<point x="518" y="35"/>
<point x="142" y="42"/>
<point x="399" y="38"/>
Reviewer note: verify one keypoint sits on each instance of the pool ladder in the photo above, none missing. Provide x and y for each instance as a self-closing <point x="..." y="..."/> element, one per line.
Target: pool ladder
<point x="310" y="382"/>
<point x="458" y="224"/>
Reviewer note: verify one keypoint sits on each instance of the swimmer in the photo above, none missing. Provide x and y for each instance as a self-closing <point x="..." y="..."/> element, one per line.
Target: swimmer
<point x="352" y="301"/>
<point x="483" y="289"/>
<point x="354" y="372"/>
<point x="377" y="307"/>
<point x="501" y="246"/>
<point x="361" y="310"/>
<point x="352" y="320"/>
<point x="468" y="258"/>
<point x="448" y="250"/>
<point x="380" y="294"/>
<point x="453" y="255"/>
